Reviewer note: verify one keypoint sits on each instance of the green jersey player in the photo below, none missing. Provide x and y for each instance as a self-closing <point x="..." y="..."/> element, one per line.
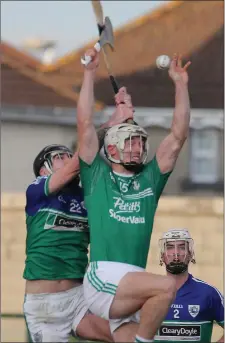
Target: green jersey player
<point x="121" y="199"/>
<point x="197" y="304"/>
<point x="56" y="249"/>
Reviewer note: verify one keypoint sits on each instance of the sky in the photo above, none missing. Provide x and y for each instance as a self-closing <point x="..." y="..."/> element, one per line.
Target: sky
<point x="70" y="23"/>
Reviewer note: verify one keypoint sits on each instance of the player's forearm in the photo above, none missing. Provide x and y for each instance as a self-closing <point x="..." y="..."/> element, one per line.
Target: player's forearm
<point x="181" y="117"/>
<point x="85" y="106"/>
<point x="64" y="175"/>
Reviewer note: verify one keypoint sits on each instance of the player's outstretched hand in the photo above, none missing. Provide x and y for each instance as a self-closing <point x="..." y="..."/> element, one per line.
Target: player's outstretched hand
<point x="122" y="97"/>
<point x="94" y="54"/>
<point x="121" y="115"/>
<point x="176" y="71"/>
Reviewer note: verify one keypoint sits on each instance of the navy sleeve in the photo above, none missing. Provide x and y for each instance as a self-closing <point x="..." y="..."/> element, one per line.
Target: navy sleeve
<point x="218" y="307"/>
<point x="36" y="193"/>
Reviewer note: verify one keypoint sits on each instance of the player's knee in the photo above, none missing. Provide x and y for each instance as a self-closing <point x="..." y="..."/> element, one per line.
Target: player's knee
<point x="94" y="328"/>
<point x="126" y="332"/>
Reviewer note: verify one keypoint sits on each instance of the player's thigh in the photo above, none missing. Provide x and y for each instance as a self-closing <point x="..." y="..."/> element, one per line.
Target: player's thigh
<point x="135" y="288"/>
<point x="143" y="285"/>
<point x="115" y="290"/>
<point x="46" y="329"/>
<point x="49" y="317"/>
<point x="93" y="327"/>
<point x="99" y="289"/>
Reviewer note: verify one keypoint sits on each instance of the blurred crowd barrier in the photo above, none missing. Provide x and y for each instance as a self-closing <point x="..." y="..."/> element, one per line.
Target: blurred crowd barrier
<point x="202" y="216"/>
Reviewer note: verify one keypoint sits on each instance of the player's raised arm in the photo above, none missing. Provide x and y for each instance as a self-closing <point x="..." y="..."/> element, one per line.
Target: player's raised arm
<point x="88" y="143"/>
<point x="170" y="147"/>
<point x="87" y="136"/>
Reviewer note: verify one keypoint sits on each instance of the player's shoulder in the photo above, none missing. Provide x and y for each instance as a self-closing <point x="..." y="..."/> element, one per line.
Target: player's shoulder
<point x="99" y="160"/>
<point x="149" y="171"/>
<point x="151" y="165"/>
<point x="37" y="186"/>
<point x="151" y="162"/>
<point x="205" y="287"/>
<point x="103" y="160"/>
<point x="37" y="181"/>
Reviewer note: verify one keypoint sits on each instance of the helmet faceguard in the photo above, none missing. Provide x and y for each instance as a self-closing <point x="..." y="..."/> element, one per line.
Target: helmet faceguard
<point x="176" y="250"/>
<point x="46" y="155"/>
<point x="118" y="135"/>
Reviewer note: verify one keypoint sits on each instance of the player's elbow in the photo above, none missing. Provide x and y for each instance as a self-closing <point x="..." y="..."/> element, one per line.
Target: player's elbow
<point x="179" y="139"/>
<point x="84" y="128"/>
<point x="180" y="132"/>
<point x="84" y="116"/>
<point x="176" y="146"/>
<point x="83" y="123"/>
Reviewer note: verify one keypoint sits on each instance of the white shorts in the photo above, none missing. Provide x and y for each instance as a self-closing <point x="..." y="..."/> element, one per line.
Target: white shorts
<point x="100" y="283"/>
<point x="50" y="317"/>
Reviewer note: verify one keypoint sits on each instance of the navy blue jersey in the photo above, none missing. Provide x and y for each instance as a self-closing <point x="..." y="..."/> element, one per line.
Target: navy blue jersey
<point x="190" y="318"/>
<point x="57" y="232"/>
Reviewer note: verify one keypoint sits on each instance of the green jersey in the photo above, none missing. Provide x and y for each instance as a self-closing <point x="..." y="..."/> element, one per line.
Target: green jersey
<point x="57" y="233"/>
<point x="121" y="210"/>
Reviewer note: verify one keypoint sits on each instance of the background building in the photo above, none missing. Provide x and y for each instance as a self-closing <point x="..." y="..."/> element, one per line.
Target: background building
<point x="40" y="101"/>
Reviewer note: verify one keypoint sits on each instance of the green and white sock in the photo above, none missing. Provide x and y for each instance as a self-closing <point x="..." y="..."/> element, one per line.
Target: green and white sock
<point x="139" y="339"/>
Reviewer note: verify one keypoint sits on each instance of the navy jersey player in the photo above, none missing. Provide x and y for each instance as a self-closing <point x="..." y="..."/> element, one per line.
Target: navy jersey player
<point x="57" y="248"/>
<point x="197" y="304"/>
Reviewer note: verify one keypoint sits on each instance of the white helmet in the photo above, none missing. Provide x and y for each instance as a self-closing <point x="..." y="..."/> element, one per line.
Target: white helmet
<point x="117" y="135"/>
<point x="173" y="235"/>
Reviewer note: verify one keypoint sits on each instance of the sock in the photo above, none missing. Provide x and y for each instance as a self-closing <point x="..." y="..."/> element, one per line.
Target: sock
<point x="142" y="340"/>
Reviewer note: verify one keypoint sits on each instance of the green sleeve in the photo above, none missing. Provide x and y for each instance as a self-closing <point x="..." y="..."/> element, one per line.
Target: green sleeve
<point x="158" y="180"/>
<point x="90" y="174"/>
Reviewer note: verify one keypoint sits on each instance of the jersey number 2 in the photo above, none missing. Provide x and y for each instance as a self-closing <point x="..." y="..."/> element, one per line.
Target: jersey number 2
<point x="176" y="314"/>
